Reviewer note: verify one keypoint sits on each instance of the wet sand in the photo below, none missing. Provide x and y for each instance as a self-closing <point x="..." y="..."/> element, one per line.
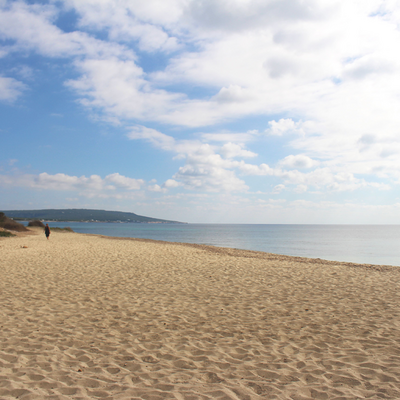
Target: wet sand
<point x="90" y="317"/>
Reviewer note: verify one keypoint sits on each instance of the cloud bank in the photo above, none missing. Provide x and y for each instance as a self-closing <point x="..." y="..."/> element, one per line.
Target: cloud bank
<point x="290" y="98"/>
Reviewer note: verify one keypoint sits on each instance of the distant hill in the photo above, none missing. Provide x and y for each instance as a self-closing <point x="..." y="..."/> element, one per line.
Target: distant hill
<point x="83" y="215"/>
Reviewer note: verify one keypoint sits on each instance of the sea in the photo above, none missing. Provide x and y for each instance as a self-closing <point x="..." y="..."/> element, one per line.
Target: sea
<point x="365" y="244"/>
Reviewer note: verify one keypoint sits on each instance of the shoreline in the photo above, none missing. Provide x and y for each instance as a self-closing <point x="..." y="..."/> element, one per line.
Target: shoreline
<point x="348" y="244"/>
<point x="228" y="250"/>
<point x="88" y="316"/>
<point x="234" y="252"/>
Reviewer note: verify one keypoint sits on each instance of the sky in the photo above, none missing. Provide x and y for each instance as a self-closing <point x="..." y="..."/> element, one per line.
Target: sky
<point x="203" y="111"/>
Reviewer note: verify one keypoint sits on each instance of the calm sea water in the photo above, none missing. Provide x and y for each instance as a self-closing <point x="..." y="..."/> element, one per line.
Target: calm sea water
<point x="371" y="244"/>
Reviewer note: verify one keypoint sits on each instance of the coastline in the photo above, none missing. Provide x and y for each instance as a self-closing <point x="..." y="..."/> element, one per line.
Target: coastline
<point x="234" y="252"/>
<point x="355" y="244"/>
<point x="91" y="316"/>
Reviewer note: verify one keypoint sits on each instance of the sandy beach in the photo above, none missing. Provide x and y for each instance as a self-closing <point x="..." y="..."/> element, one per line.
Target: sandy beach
<point x="90" y="317"/>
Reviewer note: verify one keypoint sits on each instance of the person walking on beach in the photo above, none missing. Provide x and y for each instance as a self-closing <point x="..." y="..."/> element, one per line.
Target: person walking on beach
<point x="47" y="231"/>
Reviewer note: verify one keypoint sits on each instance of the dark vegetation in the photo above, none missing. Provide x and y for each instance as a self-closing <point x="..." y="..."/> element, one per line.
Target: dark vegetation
<point x="36" y="223"/>
<point x="79" y="215"/>
<point x="66" y="229"/>
<point x="11" y="225"/>
<point x="6" y="234"/>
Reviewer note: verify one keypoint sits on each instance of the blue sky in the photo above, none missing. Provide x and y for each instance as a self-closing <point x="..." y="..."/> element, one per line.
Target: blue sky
<point x="218" y="111"/>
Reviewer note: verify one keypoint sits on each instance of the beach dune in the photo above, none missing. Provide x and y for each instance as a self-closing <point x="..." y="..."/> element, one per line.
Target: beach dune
<point x="87" y="317"/>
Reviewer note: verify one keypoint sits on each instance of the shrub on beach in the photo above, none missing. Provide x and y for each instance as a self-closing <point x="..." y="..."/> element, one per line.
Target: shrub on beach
<point x="66" y="229"/>
<point x="11" y="225"/>
<point x="6" y="234"/>
<point x="40" y="224"/>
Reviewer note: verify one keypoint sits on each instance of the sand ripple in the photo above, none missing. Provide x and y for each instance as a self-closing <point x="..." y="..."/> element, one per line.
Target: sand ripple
<point x="87" y="317"/>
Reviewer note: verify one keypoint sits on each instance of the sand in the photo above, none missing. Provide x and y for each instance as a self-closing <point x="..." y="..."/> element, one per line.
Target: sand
<point x="89" y="317"/>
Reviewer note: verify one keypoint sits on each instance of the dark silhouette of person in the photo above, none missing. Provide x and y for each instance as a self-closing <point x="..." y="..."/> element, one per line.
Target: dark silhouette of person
<point x="47" y="231"/>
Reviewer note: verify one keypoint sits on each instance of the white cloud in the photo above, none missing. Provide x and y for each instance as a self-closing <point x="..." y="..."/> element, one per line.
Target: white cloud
<point x="319" y="178"/>
<point x="171" y="183"/>
<point x="24" y="71"/>
<point x="360" y="68"/>
<point x="240" y="68"/>
<point x="205" y="170"/>
<point x="334" y="94"/>
<point x="232" y="150"/>
<point x="230" y="136"/>
<point x="118" y="88"/>
<point x="124" y="14"/>
<point x="40" y="34"/>
<point x="232" y="94"/>
<point x="324" y="178"/>
<point x="278" y="188"/>
<point x="62" y="182"/>
<point x="124" y="27"/>
<point x="238" y="15"/>
<point x="257" y="170"/>
<point x="124" y="182"/>
<point x="209" y="178"/>
<point x="156" y="188"/>
<point x="282" y="127"/>
<point x="164" y="142"/>
<point x="10" y="89"/>
<point x="298" y="161"/>
<point x="155" y="137"/>
<point x="66" y="182"/>
<point x="301" y="189"/>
